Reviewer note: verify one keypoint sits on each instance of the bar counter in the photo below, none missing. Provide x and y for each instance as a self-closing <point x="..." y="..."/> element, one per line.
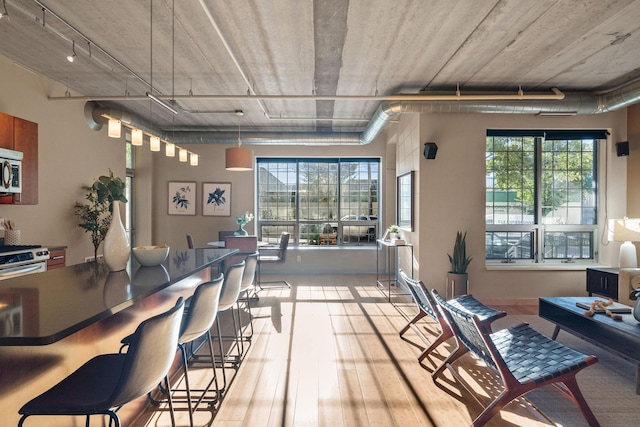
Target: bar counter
<point x="53" y="322"/>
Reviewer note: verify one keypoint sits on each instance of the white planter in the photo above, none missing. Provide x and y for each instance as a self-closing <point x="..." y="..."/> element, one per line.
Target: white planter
<point x="116" y="246"/>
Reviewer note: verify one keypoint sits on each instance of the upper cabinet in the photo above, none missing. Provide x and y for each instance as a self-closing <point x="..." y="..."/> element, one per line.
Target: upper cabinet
<point x="22" y="135"/>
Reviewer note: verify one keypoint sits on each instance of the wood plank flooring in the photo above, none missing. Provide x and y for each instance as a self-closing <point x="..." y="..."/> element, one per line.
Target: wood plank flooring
<point x="327" y="353"/>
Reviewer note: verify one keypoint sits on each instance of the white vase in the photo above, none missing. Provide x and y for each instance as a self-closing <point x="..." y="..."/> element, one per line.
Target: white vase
<point x="116" y="247"/>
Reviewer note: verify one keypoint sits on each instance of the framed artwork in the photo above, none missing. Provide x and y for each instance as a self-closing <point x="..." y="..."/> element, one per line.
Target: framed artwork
<point x="404" y="201"/>
<point x="182" y="198"/>
<point x="216" y="198"/>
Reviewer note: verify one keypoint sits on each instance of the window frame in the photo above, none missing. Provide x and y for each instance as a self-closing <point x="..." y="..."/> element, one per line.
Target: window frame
<point x="294" y="224"/>
<point x="539" y="230"/>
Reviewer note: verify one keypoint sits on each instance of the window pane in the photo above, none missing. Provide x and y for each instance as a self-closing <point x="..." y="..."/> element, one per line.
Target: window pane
<point x="509" y="245"/>
<point x="307" y="196"/>
<point x="568" y="245"/>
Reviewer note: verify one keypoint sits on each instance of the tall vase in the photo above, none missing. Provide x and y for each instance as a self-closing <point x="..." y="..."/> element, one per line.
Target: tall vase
<point x="457" y="285"/>
<point x="116" y="244"/>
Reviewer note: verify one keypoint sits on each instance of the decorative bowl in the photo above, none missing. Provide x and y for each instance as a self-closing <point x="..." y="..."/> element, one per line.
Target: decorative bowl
<point x="149" y="256"/>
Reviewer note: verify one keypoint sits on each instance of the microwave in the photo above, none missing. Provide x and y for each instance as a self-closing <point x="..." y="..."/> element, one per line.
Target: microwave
<point x="10" y="171"/>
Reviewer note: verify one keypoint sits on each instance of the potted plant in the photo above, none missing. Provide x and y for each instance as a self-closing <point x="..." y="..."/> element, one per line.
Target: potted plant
<point x="393" y="231"/>
<point x="94" y="218"/>
<point x="109" y="190"/>
<point x="457" y="278"/>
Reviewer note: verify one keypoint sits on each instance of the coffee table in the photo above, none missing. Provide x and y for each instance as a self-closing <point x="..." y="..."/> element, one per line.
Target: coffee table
<point x="621" y="338"/>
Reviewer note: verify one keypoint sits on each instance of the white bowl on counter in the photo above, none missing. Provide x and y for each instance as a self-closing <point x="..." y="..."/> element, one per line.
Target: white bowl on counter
<point x="149" y="256"/>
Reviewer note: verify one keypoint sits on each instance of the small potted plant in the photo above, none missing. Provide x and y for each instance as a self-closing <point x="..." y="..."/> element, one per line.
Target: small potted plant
<point x="393" y="231"/>
<point x="457" y="278"/>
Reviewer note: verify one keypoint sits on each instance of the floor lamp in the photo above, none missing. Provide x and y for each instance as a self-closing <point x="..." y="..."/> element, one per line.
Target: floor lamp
<point x="626" y="230"/>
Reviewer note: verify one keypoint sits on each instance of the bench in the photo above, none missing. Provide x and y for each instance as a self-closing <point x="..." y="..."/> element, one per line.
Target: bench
<point x="524" y="359"/>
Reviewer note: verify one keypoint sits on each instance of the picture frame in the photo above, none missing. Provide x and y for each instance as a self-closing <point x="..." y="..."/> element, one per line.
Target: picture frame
<point x="182" y="198"/>
<point x="404" y="200"/>
<point x="216" y="198"/>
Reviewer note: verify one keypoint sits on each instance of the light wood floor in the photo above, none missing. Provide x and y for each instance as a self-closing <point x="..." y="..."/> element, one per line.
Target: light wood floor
<point x="327" y="353"/>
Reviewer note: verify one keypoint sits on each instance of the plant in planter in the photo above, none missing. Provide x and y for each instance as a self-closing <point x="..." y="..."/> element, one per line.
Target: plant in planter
<point x="94" y="218"/>
<point x="110" y="188"/>
<point x="457" y="276"/>
<point x="393" y="231"/>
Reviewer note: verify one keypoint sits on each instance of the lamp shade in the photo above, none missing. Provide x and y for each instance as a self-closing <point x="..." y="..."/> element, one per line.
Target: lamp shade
<point x="170" y="149"/>
<point x="626" y="230"/>
<point x="136" y="137"/>
<point x="182" y="155"/>
<point x="239" y="159"/>
<point x="115" y="128"/>
<point x="194" y="159"/>
<point x="154" y="143"/>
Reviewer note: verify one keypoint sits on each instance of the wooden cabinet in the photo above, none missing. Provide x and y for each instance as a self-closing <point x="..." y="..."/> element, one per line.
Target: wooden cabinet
<point x="603" y="281"/>
<point x="57" y="258"/>
<point x="22" y="135"/>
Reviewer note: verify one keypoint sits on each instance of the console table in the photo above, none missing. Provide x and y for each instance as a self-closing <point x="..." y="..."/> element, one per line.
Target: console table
<point x="621" y="338"/>
<point x="391" y="251"/>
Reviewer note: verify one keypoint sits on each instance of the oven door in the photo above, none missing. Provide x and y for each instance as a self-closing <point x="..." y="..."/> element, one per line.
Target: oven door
<point x="21" y="270"/>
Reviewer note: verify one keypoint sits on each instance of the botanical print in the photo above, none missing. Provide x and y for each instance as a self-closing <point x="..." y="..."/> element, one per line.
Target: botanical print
<point x="217" y="197"/>
<point x="182" y="198"/>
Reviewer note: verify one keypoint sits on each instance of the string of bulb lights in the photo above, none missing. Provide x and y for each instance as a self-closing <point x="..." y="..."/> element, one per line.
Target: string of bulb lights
<point x="114" y="130"/>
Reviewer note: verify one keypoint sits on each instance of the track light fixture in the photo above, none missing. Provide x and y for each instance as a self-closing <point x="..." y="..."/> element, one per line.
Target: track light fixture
<point x="72" y="57"/>
<point x="4" y="12"/>
<point x="154" y="143"/>
<point x="170" y="149"/>
<point x="161" y="102"/>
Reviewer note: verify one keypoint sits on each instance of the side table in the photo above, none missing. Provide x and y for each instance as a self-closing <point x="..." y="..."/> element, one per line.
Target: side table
<point x="391" y="251"/>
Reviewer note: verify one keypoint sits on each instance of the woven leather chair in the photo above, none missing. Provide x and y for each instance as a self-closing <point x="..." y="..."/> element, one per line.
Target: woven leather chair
<point x="270" y="254"/>
<point x="427" y="306"/>
<point x="524" y="359"/>
<point x="107" y="382"/>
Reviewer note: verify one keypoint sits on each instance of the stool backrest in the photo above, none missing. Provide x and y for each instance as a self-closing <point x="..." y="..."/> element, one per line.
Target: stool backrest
<point x="203" y="309"/>
<point x="231" y="286"/>
<point x="150" y="355"/>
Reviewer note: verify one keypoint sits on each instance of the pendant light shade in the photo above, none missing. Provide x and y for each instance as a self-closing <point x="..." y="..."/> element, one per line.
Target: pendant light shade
<point x="239" y="159"/>
<point x="182" y="155"/>
<point x="154" y="143"/>
<point x="115" y="128"/>
<point x="136" y="137"/>
<point x="170" y="149"/>
<point x="194" y="159"/>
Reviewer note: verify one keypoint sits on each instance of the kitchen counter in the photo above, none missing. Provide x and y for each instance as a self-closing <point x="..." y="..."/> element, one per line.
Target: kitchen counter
<point x="43" y="308"/>
<point x="81" y="311"/>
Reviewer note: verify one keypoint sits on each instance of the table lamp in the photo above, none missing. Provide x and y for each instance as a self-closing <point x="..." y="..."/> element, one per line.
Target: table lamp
<point x="626" y="230"/>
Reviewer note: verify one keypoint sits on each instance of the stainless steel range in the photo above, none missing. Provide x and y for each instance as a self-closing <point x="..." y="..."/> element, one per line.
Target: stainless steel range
<point x="18" y="260"/>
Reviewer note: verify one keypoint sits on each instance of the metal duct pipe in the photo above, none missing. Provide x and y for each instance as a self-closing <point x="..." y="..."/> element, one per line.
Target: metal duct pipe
<point x="387" y="110"/>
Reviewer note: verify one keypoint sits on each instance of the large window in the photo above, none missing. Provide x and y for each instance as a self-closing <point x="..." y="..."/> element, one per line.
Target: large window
<point x="332" y="201"/>
<point x="541" y="195"/>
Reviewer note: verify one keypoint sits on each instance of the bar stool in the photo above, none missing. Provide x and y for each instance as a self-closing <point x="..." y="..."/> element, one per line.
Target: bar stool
<point x="197" y="321"/>
<point x="229" y="298"/>
<point x="248" y="282"/>
<point x="107" y="382"/>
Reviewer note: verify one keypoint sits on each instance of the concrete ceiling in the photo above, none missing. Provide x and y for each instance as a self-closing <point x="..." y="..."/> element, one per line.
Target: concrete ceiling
<point x="317" y="66"/>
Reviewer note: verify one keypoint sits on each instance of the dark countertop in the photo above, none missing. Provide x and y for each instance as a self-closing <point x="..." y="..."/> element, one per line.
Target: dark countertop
<point x="39" y="309"/>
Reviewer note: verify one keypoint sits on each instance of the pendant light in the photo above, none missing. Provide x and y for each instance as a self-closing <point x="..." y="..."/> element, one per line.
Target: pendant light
<point x="115" y="127"/>
<point x="194" y="159"/>
<point x="182" y="155"/>
<point x="154" y="143"/>
<point x="170" y="149"/>
<point x="136" y="137"/>
<point x="239" y="158"/>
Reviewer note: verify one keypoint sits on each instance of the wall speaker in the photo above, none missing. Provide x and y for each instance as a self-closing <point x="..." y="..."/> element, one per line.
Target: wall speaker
<point x="622" y="148"/>
<point x="430" y="150"/>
